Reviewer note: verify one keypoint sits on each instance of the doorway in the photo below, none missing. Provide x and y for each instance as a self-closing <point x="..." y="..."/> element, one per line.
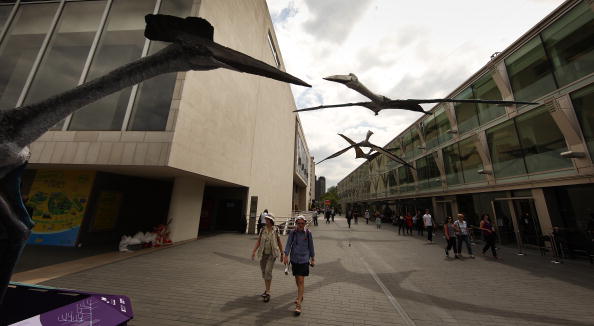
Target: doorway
<point x="517" y="222"/>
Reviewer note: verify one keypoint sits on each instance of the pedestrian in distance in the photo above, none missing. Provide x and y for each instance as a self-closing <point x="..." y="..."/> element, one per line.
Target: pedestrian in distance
<point x="356" y="216"/>
<point x="378" y="221"/>
<point x="262" y="220"/>
<point x="349" y="216"/>
<point x="420" y="226"/>
<point x="462" y="234"/>
<point x="300" y="249"/>
<point x="327" y="215"/>
<point x="332" y="213"/>
<point x="450" y="234"/>
<point x="401" y="225"/>
<point x="428" y="222"/>
<point x="409" y="223"/>
<point x="314" y="217"/>
<point x="488" y="230"/>
<point x="415" y="220"/>
<point x="268" y="248"/>
<point x="366" y="216"/>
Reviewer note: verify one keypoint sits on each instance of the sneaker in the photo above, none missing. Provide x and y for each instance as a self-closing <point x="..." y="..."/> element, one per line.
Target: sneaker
<point x="472" y="256"/>
<point x="447" y="253"/>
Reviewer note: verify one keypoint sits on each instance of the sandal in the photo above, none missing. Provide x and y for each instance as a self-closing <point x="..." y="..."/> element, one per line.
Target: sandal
<point x="297" y="309"/>
<point x="263" y="295"/>
<point x="267" y="297"/>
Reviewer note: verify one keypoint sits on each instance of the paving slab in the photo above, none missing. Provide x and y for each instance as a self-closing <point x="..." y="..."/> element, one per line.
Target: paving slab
<point x="363" y="276"/>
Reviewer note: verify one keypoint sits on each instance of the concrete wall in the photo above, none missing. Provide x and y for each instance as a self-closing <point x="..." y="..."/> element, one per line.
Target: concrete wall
<point x="238" y="127"/>
<point x="184" y="208"/>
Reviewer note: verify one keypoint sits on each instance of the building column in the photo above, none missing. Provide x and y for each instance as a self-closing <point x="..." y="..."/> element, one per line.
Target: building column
<point x="185" y="207"/>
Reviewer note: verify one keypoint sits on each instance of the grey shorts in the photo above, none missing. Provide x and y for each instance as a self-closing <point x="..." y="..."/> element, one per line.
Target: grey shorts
<point x="266" y="265"/>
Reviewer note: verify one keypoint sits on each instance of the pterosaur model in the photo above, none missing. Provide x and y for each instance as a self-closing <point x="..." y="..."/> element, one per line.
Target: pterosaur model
<point x="192" y="48"/>
<point x="380" y="102"/>
<point x="360" y="154"/>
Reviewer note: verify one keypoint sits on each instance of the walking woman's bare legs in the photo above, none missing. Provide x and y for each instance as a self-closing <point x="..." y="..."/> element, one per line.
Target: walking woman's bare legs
<point x="267" y="283"/>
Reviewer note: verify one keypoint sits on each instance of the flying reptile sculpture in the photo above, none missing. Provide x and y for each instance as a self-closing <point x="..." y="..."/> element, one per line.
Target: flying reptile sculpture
<point x="380" y="102"/>
<point x="360" y="154"/>
<point x="192" y="48"/>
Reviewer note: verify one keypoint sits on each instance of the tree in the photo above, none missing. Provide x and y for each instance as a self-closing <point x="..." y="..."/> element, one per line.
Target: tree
<point x="331" y="195"/>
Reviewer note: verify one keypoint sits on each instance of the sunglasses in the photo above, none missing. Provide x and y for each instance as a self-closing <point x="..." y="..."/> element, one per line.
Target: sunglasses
<point x="301" y="223"/>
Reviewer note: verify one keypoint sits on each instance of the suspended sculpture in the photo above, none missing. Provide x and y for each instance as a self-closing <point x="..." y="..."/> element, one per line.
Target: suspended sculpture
<point x="192" y="48"/>
<point x="360" y="154"/>
<point x="380" y="102"/>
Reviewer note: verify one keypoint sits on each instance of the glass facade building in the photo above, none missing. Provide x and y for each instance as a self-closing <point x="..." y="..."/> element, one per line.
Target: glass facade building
<point x="516" y="162"/>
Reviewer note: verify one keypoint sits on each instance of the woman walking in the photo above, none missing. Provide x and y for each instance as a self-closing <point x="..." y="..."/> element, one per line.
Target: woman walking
<point x="450" y="234"/>
<point x="268" y="248"/>
<point x="489" y="234"/>
<point x="300" y="247"/>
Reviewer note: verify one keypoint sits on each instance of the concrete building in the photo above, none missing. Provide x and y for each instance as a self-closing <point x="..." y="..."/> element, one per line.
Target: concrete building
<point x="529" y="167"/>
<point x="320" y="187"/>
<point x="202" y="150"/>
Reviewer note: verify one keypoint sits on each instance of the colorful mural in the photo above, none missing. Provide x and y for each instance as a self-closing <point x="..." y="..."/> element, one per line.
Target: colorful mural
<point x="58" y="201"/>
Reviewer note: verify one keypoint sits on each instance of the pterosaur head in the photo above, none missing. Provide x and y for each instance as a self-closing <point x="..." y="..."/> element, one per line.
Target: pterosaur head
<point x="343" y="79"/>
<point x="195" y="35"/>
<point x="369" y="133"/>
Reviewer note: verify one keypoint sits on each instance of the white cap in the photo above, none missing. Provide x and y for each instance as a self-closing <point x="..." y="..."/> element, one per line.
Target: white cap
<point x="270" y="217"/>
<point x="300" y="217"/>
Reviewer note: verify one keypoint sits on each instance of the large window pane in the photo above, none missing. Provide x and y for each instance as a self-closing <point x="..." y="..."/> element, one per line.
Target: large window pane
<point x="583" y="103"/>
<point x="4" y="13"/>
<point x="405" y="179"/>
<point x="422" y="173"/>
<point x="153" y="100"/>
<point x="466" y="113"/>
<point x="430" y="132"/>
<point x="408" y="146"/>
<point x="68" y="50"/>
<point x="20" y="47"/>
<point x="453" y="167"/>
<point x="433" y="175"/>
<point x="443" y="125"/>
<point x="416" y="141"/>
<point x="570" y="44"/>
<point x="541" y="141"/>
<point x="529" y="72"/>
<point x="470" y="160"/>
<point x="485" y="88"/>
<point x="506" y="153"/>
<point x="122" y="42"/>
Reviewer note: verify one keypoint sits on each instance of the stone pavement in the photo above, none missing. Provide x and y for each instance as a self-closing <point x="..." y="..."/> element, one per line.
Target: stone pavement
<point x="363" y="276"/>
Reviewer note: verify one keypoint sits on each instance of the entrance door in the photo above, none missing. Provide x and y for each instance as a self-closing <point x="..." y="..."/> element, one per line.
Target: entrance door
<point x="229" y="215"/>
<point x="443" y="210"/>
<point x="517" y="221"/>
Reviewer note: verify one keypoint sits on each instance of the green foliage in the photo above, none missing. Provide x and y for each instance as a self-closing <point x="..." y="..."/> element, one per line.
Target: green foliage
<point x="331" y="195"/>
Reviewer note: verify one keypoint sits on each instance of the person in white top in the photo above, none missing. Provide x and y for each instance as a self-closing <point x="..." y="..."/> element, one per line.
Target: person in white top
<point x="262" y="220"/>
<point x="462" y="234"/>
<point x="428" y="222"/>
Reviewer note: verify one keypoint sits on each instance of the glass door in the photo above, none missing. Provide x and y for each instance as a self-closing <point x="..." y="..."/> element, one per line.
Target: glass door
<point x="517" y="222"/>
<point x="504" y="221"/>
<point x="528" y="224"/>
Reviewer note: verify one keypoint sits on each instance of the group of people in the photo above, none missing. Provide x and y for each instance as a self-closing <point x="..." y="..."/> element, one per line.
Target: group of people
<point x="299" y="253"/>
<point x="420" y="222"/>
<point x="458" y="232"/>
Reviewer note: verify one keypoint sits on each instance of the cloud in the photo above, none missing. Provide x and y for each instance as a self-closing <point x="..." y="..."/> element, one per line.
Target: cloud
<point x="333" y="20"/>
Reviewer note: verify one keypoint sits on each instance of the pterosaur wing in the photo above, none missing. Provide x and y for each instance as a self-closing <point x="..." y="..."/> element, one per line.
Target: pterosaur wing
<point x="452" y="100"/>
<point x="363" y="104"/>
<point x="390" y="155"/>
<point x="358" y="151"/>
<point x="340" y="152"/>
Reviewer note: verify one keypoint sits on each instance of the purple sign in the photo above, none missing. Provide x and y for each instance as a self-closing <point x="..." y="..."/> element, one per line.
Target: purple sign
<point x="92" y="310"/>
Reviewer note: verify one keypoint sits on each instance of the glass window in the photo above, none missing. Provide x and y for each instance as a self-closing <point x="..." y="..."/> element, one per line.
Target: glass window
<point x="405" y="179"/>
<point x="443" y="125"/>
<point x="541" y="141"/>
<point x="20" y="47"/>
<point x="273" y="50"/>
<point x="486" y="89"/>
<point x="506" y="153"/>
<point x="121" y="42"/>
<point x="433" y="171"/>
<point x="408" y="146"/>
<point x="466" y="113"/>
<point x="422" y="173"/>
<point x="430" y="132"/>
<point x="4" y="13"/>
<point x="416" y="141"/>
<point x="470" y="160"/>
<point x="453" y="167"/>
<point x="529" y="71"/>
<point x="583" y="103"/>
<point x="67" y="51"/>
<point x="392" y="180"/>
<point x="570" y="44"/>
<point x="153" y="100"/>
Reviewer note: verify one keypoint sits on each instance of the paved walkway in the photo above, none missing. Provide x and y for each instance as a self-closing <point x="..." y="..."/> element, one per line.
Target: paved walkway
<point x="364" y="276"/>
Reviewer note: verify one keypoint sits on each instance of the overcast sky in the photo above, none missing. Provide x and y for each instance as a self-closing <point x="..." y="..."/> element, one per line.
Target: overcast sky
<point x="398" y="48"/>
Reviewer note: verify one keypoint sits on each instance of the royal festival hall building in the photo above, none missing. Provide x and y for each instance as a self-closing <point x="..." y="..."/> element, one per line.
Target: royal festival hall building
<point x="530" y="167"/>
<point x="206" y="151"/>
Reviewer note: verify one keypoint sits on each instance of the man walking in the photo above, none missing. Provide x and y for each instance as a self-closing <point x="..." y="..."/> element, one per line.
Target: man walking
<point x="428" y="222"/>
<point x="366" y="216"/>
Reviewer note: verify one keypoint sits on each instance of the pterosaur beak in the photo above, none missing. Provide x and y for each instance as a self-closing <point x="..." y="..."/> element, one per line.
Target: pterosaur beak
<point x="197" y="33"/>
<point x="343" y="79"/>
